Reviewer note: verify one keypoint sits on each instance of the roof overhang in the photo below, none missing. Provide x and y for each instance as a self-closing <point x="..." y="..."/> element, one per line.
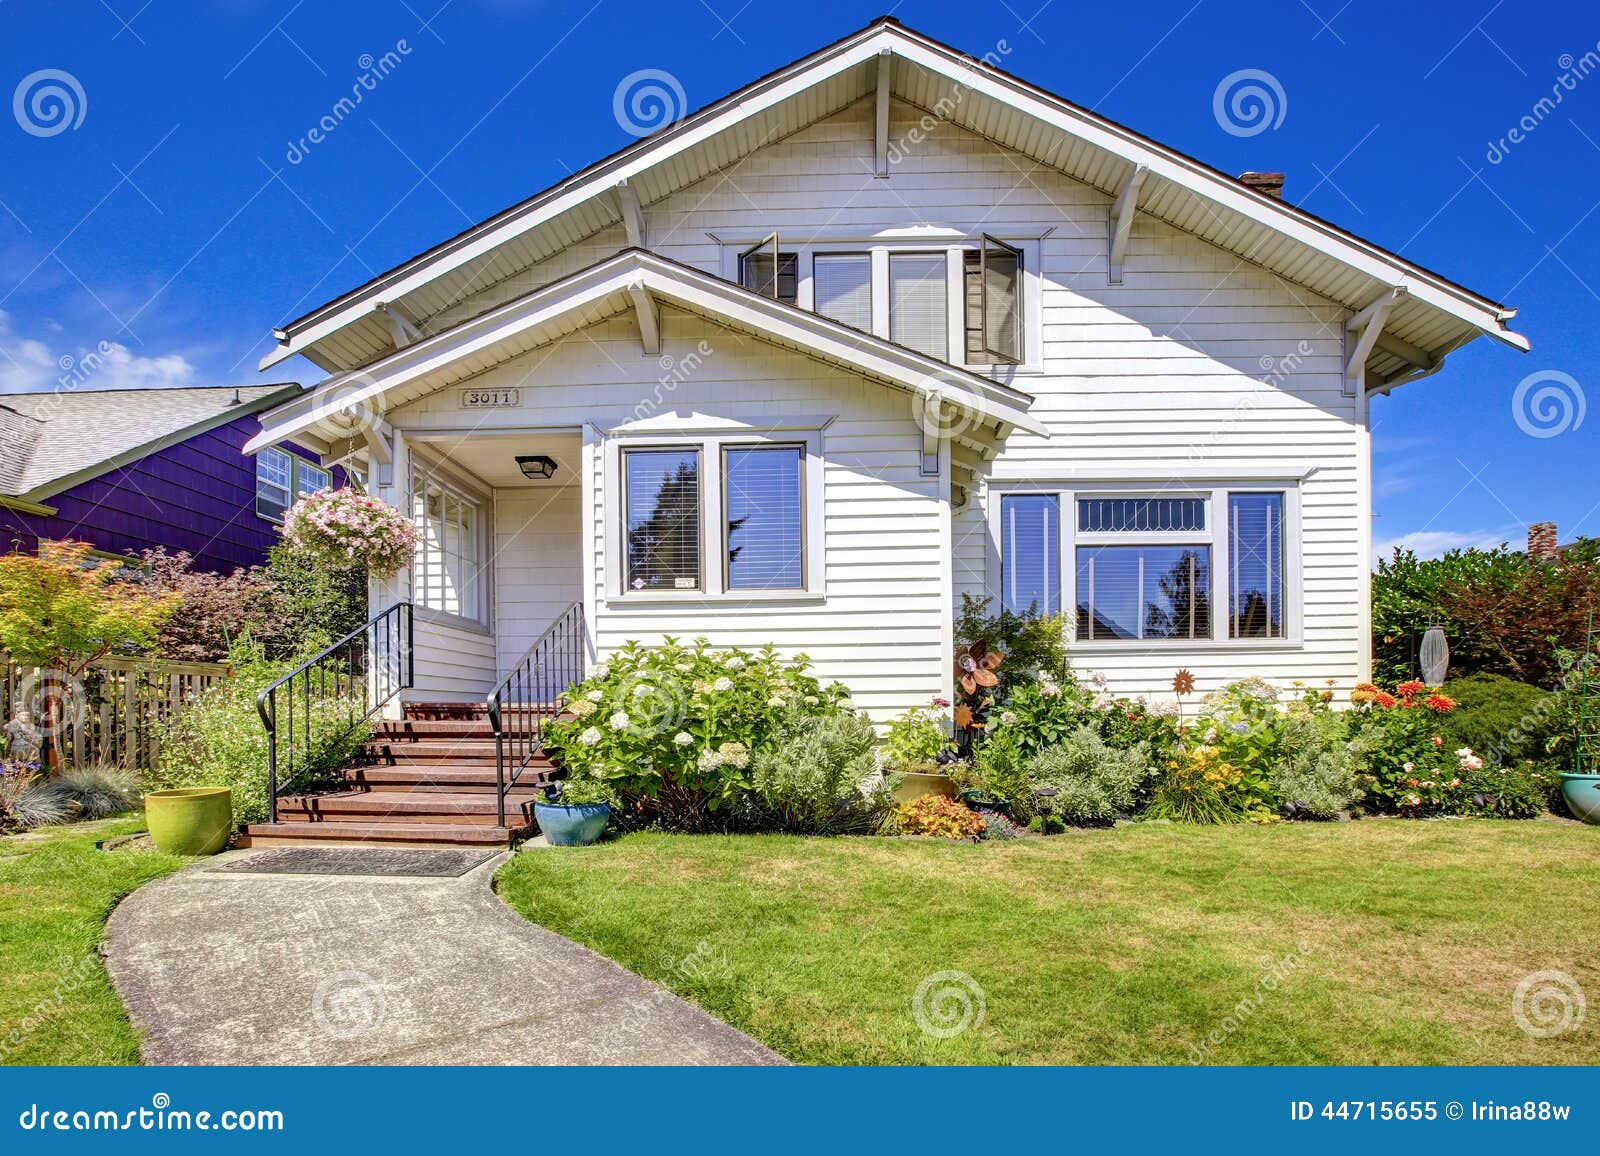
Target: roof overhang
<point x="1436" y="316"/>
<point x="612" y="287"/>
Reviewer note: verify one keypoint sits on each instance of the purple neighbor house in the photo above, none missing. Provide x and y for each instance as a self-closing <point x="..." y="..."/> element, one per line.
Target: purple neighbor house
<point x="126" y="470"/>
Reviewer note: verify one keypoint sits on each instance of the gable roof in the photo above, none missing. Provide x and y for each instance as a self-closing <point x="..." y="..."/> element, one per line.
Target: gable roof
<point x="52" y="441"/>
<point x="1434" y="316"/>
<point x="611" y="287"/>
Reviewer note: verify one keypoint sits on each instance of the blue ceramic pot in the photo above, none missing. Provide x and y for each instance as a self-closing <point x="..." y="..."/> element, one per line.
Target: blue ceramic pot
<point x="572" y="826"/>
<point x="1582" y="793"/>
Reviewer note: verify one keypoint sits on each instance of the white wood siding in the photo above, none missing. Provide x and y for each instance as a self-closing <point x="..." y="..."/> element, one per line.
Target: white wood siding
<point x="538" y="563"/>
<point x="1178" y="372"/>
<point x="883" y="628"/>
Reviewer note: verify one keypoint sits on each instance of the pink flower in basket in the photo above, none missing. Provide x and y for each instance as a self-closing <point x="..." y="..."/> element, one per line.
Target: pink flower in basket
<point x="345" y="527"/>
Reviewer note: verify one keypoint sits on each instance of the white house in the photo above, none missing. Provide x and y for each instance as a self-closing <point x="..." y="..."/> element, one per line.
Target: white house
<point x="885" y="328"/>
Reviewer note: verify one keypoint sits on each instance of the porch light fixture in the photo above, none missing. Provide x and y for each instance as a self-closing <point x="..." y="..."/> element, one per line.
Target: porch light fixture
<point x="536" y="467"/>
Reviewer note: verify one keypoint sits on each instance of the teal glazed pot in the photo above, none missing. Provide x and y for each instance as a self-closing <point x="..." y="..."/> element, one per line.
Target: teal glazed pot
<point x="572" y="826"/>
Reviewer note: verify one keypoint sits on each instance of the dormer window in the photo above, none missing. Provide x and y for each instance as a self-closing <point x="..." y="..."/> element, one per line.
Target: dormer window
<point x="770" y="272"/>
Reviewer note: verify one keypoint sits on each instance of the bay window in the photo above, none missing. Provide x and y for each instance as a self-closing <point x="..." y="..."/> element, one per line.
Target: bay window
<point x="1148" y="567"/>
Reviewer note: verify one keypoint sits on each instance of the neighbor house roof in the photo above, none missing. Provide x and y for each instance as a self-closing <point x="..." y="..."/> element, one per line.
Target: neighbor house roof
<point x="614" y="286"/>
<point x="51" y="441"/>
<point x="1430" y="316"/>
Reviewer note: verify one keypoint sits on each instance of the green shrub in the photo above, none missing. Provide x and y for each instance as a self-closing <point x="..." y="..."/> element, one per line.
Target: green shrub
<point x="1032" y="643"/>
<point x="1093" y="783"/>
<point x="674" y="729"/>
<point x="1201" y="786"/>
<point x="1315" y="777"/>
<point x="1505" y="721"/>
<point x="915" y="740"/>
<point x="819" y="780"/>
<point x="1041" y="714"/>
<point x="218" y="740"/>
<point x="999" y="770"/>
<point x="1521" y="791"/>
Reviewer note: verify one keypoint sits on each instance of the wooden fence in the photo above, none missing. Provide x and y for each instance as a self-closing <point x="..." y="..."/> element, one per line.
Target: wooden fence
<point x="112" y="709"/>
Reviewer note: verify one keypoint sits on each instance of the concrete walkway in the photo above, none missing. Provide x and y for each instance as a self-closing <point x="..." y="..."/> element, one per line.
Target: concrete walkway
<point x="229" y="968"/>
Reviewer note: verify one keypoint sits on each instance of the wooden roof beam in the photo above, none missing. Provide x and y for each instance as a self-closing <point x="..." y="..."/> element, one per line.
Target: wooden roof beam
<point x="1121" y="222"/>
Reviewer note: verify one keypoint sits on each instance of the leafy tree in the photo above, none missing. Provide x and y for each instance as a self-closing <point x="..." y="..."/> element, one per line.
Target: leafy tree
<point x="63" y="610"/>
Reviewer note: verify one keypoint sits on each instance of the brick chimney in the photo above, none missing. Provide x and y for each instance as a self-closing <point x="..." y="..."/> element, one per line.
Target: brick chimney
<point x="1269" y="183"/>
<point x="1542" y="542"/>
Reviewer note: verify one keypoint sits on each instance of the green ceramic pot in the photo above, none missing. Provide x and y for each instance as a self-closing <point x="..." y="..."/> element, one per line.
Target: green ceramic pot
<point x="191" y="820"/>
<point x="1582" y="793"/>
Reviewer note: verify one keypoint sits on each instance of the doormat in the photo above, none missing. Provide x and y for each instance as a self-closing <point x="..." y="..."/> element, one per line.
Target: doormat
<point x="393" y="861"/>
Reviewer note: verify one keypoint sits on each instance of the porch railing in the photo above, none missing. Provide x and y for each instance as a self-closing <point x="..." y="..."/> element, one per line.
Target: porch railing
<point x="531" y="693"/>
<point x="310" y="710"/>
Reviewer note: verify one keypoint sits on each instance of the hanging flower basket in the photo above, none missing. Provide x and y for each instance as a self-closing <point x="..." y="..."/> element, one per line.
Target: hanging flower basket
<point x="347" y="528"/>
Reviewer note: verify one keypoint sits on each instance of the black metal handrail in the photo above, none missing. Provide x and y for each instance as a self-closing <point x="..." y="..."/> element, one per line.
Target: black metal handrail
<point x="360" y="673"/>
<point x="532" y="691"/>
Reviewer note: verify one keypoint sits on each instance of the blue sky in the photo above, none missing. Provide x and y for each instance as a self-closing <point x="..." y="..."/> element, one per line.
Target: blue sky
<point x="175" y="220"/>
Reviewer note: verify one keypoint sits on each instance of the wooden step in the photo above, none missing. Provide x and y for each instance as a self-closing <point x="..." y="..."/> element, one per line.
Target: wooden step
<point x="396" y="730"/>
<point x="466" y="711"/>
<point x="430" y="750"/>
<point x="424" y="805"/>
<point x="419" y="834"/>
<point x="448" y="776"/>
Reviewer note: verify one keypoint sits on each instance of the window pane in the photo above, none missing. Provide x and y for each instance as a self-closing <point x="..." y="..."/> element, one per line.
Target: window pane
<point x="843" y="284"/>
<point x="1255" y="565"/>
<point x="1029" y="554"/>
<point x="444" y="571"/>
<point x="272" y="483"/>
<point x="999" y="335"/>
<point x="1120" y="515"/>
<point x="918" y="315"/>
<point x="311" y="480"/>
<point x="1148" y="592"/>
<point x="663" y="511"/>
<point x="755" y="272"/>
<point x="764" y="519"/>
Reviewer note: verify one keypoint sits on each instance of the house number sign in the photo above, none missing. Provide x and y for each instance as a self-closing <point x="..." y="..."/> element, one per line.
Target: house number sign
<point x="490" y="398"/>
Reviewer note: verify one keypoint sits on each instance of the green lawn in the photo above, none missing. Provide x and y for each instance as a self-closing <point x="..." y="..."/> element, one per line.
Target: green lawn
<point x="56" y="1002"/>
<point x="1382" y="941"/>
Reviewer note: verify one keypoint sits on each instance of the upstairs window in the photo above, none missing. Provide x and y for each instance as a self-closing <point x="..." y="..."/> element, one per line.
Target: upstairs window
<point x="843" y="288"/>
<point x="993" y="301"/>
<point x="661" y="496"/>
<point x="756" y="271"/>
<point x="919" y="314"/>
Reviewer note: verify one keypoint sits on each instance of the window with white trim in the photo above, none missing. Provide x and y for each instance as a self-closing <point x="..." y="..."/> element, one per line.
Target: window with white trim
<point x="446" y="572"/>
<point x="1149" y="567"/>
<point x="992" y="298"/>
<point x="716" y="514"/>
<point x="282" y="477"/>
<point x="919" y="311"/>
<point x="842" y="288"/>
<point x="770" y="271"/>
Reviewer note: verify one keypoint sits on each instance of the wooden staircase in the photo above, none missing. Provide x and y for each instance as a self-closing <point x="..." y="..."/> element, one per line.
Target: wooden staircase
<point x="427" y="779"/>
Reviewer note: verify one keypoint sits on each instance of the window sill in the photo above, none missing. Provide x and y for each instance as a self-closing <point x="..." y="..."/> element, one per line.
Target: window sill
<point x="450" y="621"/>
<point x="1180" y="645"/>
<point x="729" y="599"/>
